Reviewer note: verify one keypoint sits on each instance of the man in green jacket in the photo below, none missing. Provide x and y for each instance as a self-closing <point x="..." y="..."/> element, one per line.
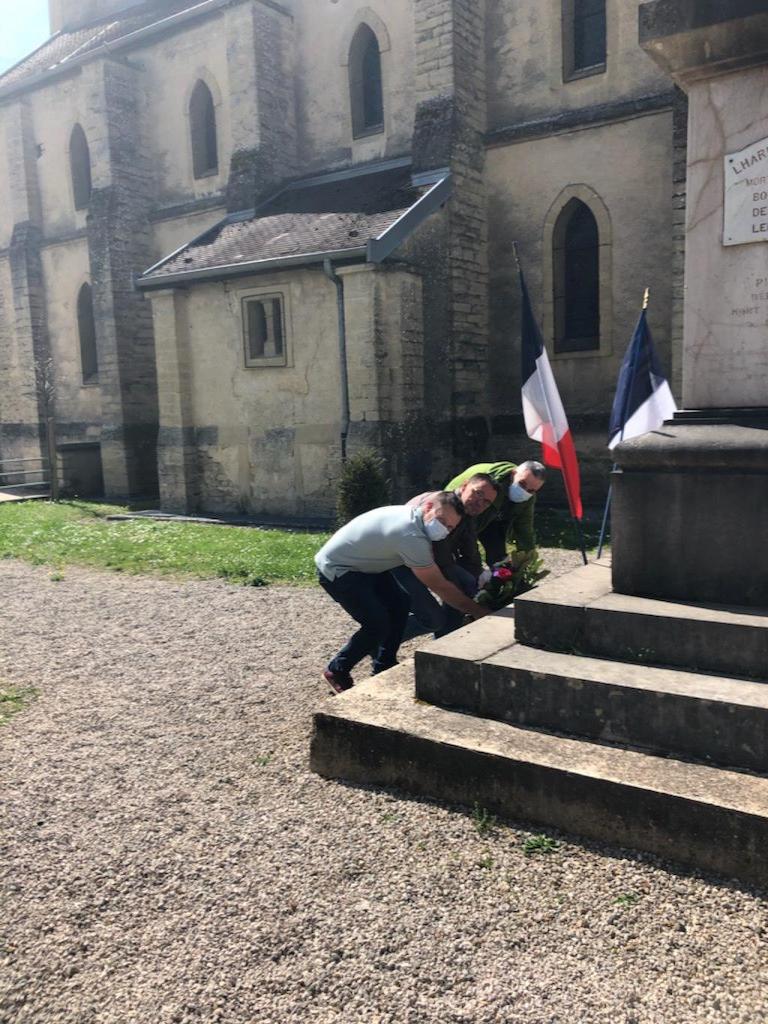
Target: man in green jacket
<point x="509" y="519"/>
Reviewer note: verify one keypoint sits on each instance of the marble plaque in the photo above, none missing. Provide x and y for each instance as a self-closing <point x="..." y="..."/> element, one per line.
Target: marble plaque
<point x="745" y="217"/>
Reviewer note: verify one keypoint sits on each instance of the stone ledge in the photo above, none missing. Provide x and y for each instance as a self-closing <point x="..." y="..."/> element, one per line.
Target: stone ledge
<point x="702" y="817"/>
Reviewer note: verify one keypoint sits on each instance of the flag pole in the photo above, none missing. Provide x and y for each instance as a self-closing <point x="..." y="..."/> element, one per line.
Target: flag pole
<point x="576" y="522"/>
<point x="646" y="300"/>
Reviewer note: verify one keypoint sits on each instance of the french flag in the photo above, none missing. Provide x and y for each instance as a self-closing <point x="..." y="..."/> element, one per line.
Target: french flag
<point x="545" y="419"/>
<point x="643" y="397"/>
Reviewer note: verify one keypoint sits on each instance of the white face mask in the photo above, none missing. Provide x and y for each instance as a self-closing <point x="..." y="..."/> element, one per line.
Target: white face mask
<point x="518" y="493"/>
<point x="436" y="530"/>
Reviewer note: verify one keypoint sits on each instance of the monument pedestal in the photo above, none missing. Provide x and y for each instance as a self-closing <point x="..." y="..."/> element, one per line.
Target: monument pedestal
<point x="690" y="510"/>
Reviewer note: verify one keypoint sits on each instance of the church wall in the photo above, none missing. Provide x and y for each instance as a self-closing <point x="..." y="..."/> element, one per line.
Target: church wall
<point x="323" y="36"/>
<point x="267" y="439"/>
<point x="628" y="166"/>
<point x="56" y="109"/>
<point x="172" y="65"/>
<point x="169" y="235"/>
<point x="6" y="210"/>
<point x="525" y="63"/>
<point x="66" y="268"/>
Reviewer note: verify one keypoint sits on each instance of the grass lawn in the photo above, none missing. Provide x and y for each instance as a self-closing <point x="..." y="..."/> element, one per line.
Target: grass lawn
<point x="77" y="533"/>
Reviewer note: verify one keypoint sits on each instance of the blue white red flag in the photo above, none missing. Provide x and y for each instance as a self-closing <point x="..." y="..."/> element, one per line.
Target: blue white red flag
<point x="545" y="419"/>
<point x="643" y="397"/>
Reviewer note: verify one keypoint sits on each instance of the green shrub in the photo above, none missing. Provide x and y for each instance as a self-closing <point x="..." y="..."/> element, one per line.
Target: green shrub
<point x="362" y="486"/>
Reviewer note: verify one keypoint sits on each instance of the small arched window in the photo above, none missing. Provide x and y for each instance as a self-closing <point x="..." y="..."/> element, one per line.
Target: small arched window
<point x="366" y="88"/>
<point x="576" y="275"/>
<point x="202" y="126"/>
<point x="86" y="328"/>
<point x="80" y="167"/>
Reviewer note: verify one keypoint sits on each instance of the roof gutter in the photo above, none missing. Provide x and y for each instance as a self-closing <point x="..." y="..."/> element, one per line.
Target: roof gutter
<point x="124" y="42"/>
<point x="379" y="248"/>
<point x="240" y="269"/>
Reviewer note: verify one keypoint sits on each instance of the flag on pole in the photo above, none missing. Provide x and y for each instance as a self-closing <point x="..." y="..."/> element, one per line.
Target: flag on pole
<point x="643" y="397"/>
<point x="545" y="419"/>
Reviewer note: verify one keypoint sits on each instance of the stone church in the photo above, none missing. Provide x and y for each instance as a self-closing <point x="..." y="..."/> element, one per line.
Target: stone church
<point x="248" y="237"/>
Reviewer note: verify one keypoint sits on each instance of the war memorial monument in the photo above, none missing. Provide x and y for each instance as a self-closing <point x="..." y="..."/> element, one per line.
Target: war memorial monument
<point x="628" y="701"/>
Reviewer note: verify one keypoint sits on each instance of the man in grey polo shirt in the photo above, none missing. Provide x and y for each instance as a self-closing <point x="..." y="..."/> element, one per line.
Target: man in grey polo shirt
<point x="354" y="568"/>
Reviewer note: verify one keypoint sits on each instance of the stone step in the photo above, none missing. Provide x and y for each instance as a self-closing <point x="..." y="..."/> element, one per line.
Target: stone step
<point x="709" y="718"/>
<point x="579" y="613"/>
<point x="702" y="817"/>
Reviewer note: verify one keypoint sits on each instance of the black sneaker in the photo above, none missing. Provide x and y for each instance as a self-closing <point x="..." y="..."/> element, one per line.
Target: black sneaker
<point x="338" y="681"/>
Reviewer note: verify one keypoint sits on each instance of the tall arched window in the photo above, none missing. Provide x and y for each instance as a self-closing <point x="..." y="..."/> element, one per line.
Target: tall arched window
<point x="576" y="276"/>
<point x="86" y="328"/>
<point x="366" y="89"/>
<point x="202" y="126"/>
<point x="80" y="167"/>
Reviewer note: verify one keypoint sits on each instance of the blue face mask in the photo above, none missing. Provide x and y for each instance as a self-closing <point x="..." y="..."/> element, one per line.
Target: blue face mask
<point x="436" y="530"/>
<point x="518" y="493"/>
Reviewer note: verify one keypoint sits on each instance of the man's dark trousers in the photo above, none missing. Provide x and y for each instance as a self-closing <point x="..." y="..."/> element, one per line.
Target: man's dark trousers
<point x="380" y="606"/>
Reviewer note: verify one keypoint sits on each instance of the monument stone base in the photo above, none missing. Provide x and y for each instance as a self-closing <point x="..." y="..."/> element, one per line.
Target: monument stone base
<point x="570" y="712"/>
<point x="690" y="510"/>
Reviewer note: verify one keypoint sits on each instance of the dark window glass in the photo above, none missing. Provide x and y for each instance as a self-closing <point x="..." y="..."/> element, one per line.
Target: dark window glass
<point x="263" y="329"/>
<point x="588" y="33"/>
<point x="80" y="167"/>
<point x="202" y="125"/>
<point x="86" y="328"/>
<point x="365" y="83"/>
<point x="577" y="280"/>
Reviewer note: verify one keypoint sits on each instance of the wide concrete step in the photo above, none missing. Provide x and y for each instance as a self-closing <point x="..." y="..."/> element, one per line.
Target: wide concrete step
<point x="580" y="613"/>
<point x="702" y="817"/>
<point x="664" y="711"/>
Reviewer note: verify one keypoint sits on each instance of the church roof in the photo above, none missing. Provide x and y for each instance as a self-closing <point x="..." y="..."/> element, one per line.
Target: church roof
<point x="347" y="216"/>
<point x="70" y="47"/>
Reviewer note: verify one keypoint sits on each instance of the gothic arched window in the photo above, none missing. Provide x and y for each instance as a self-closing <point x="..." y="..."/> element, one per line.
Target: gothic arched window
<point x="202" y="127"/>
<point x="584" y="37"/>
<point x="86" y="328"/>
<point x="80" y="167"/>
<point x="366" y="88"/>
<point x="576" y="276"/>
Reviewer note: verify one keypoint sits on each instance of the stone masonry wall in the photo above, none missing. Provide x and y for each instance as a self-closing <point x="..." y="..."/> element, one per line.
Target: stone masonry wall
<point x="449" y="128"/>
<point x="261" y="85"/>
<point x="25" y="341"/>
<point x="120" y="245"/>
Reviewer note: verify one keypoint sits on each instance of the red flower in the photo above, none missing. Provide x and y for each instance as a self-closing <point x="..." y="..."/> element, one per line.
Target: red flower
<point x="503" y="573"/>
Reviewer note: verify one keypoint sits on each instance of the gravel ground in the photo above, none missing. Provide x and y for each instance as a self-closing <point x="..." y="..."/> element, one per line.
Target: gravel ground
<point x="168" y="857"/>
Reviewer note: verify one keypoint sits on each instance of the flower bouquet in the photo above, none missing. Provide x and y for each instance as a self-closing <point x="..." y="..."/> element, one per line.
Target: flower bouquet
<point x="508" y="581"/>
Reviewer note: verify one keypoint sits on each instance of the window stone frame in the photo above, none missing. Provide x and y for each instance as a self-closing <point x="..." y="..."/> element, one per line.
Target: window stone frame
<point x="569" y="70"/>
<point x="279" y="292"/>
<point x="597" y="207"/>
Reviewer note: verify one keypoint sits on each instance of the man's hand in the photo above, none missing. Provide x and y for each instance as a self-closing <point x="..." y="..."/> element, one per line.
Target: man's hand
<point x="432" y="578"/>
<point x="480" y="611"/>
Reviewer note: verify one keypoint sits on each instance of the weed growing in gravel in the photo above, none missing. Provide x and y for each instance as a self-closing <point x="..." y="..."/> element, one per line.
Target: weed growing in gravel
<point x="539" y="844"/>
<point x="486" y="862"/>
<point x="263" y="760"/>
<point x="390" y="818"/>
<point x="483" y="820"/>
<point x="12" y="700"/>
<point x="627" y="899"/>
<point x="57" y="577"/>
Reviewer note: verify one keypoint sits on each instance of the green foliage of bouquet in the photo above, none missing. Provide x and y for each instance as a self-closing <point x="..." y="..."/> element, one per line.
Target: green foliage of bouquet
<point x="509" y="581"/>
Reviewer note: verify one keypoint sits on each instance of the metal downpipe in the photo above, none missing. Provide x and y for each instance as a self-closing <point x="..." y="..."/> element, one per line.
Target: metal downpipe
<point x="331" y="274"/>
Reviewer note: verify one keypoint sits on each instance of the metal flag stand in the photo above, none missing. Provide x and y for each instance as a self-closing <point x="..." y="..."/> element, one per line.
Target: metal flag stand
<point x="632" y="374"/>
